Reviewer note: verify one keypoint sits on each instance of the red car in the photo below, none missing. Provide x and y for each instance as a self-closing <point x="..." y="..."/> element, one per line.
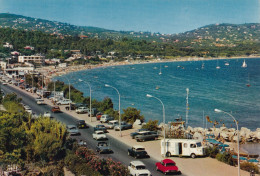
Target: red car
<point x="98" y="116"/>
<point x="167" y="166"/>
<point x="55" y="109"/>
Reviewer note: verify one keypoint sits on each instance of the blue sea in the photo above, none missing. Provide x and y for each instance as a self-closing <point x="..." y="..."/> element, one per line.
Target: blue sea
<point x="209" y="88"/>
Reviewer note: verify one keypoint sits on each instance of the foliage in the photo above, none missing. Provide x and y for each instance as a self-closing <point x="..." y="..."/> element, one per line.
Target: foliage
<point x="151" y="125"/>
<point x="131" y="114"/>
<point x="225" y="157"/>
<point x="249" y="167"/>
<point x="212" y="151"/>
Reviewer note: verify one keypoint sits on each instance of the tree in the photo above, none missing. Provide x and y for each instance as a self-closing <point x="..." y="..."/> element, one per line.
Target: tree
<point x="131" y="114"/>
<point x="151" y="125"/>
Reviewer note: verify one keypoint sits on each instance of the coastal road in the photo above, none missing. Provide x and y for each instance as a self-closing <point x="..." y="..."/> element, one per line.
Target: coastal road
<point x="119" y="148"/>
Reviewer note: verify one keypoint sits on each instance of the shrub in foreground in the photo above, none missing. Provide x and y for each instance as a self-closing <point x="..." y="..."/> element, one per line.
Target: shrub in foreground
<point x="249" y="167"/>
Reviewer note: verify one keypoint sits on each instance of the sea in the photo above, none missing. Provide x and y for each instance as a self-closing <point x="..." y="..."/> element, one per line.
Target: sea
<point x="188" y="90"/>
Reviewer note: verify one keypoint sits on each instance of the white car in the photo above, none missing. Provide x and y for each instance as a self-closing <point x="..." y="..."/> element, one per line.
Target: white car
<point x="99" y="135"/>
<point x="111" y="124"/>
<point x="64" y="102"/>
<point x="138" y="168"/>
<point x="47" y="114"/>
<point x="40" y="102"/>
<point x="73" y="130"/>
<point x="81" y="110"/>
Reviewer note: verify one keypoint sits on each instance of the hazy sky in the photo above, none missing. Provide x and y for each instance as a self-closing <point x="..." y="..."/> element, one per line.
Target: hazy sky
<point x="164" y="16"/>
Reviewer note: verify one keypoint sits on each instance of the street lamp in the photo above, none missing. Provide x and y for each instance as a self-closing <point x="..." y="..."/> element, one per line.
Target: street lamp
<point x="150" y="96"/>
<point x="80" y="80"/>
<point x="238" y="156"/>
<point x="69" y="91"/>
<point x="106" y="85"/>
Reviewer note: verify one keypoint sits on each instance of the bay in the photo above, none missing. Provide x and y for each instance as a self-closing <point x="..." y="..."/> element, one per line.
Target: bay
<point x="209" y="88"/>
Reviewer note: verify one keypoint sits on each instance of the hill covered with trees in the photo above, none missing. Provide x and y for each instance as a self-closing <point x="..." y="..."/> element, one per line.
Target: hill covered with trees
<point x="52" y="38"/>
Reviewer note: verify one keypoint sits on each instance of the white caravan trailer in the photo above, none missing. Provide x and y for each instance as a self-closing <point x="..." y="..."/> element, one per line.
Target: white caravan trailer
<point x="182" y="147"/>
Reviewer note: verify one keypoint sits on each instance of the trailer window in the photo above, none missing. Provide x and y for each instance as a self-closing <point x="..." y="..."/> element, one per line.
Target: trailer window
<point x="193" y="146"/>
<point x="198" y="144"/>
<point x="185" y="145"/>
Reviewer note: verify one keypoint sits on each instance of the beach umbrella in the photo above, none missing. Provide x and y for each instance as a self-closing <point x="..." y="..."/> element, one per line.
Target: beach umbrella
<point x="253" y="161"/>
<point x="223" y="145"/>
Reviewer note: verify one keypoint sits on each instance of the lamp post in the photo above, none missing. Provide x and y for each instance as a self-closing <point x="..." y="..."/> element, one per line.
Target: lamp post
<point x="150" y="96"/>
<point x="69" y="91"/>
<point x="106" y="85"/>
<point x="32" y="84"/>
<point x="238" y="155"/>
<point x="90" y="109"/>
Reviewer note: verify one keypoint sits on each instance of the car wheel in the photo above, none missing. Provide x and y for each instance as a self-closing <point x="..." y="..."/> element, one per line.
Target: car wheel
<point x="193" y="155"/>
<point x="168" y="154"/>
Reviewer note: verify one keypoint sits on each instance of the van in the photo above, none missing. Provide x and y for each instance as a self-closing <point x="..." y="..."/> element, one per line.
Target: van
<point x="182" y="147"/>
<point x="105" y="118"/>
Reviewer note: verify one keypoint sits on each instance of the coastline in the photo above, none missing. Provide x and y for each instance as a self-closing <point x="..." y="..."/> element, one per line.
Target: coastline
<point x="52" y="71"/>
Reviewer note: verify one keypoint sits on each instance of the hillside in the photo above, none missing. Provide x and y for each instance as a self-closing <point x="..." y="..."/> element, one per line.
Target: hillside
<point x="22" y="22"/>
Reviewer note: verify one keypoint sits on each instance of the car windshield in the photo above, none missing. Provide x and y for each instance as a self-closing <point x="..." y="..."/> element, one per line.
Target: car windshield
<point x="140" y="149"/>
<point x="72" y="128"/>
<point x="198" y="144"/>
<point x="140" y="167"/>
<point x="170" y="164"/>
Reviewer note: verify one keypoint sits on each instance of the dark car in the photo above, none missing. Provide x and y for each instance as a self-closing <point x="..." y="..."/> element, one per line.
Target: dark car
<point x="101" y="128"/>
<point x="123" y="126"/>
<point x="136" y="133"/>
<point x="146" y="135"/>
<point x="55" y="109"/>
<point x="71" y="107"/>
<point x="81" y="124"/>
<point x="103" y="147"/>
<point x="138" y="151"/>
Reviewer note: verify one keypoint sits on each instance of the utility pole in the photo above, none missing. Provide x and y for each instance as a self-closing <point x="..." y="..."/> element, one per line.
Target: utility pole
<point x="187" y="106"/>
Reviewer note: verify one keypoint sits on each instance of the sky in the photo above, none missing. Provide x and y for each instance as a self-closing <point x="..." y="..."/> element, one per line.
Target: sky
<point x="164" y="16"/>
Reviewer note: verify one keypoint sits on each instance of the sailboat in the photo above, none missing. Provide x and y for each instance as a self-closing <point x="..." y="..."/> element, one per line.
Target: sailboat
<point x="217" y="67"/>
<point x="244" y="64"/>
<point x="160" y="70"/>
<point x="202" y="66"/>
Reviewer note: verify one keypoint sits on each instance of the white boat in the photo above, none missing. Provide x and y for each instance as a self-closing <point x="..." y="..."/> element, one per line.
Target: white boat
<point x="244" y="64"/>
<point x="227" y="64"/>
<point x="160" y="70"/>
<point x="202" y="66"/>
<point x="217" y="67"/>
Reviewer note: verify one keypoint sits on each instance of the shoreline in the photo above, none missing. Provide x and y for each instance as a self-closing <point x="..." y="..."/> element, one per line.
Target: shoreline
<point x="58" y="71"/>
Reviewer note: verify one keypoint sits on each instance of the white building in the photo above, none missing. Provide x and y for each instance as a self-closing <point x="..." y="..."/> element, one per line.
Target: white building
<point x="3" y="65"/>
<point x="33" y="58"/>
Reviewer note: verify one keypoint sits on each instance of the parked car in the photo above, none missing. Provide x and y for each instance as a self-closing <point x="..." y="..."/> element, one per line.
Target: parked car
<point x="81" y="110"/>
<point x="55" y="109"/>
<point x="64" y="102"/>
<point x="82" y="124"/>
<point x="103" y="147"/>
<point x="146" y="135"/>
<point x="73" y="130"/>
<point x="105" y="118"/>
<point x="100" y="128"/>
<point x="47" y="114"/>
<point x="111" y="124"/>
<point x="71" y="107"/>
<point x="167" y="166"/>
<point x="40" y="102"/>
<point x="38" y="98"/>
<point x="124" y="126"/>
<point x="138" y="168"/>
<point x="138" y="151"/>
<point x="98" y="115"/>
<point x="99" y="135"/>
<point x="137" y="132"/>
<point x="82" y="143"/>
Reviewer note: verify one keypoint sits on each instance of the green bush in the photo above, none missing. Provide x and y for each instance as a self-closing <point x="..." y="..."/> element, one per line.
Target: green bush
<point x="151" y="125"/>
<point x="249" y="167"/>
<point x="225" y="157"/>
<point x="212" y="151"/>
<point x="131" y="114"/>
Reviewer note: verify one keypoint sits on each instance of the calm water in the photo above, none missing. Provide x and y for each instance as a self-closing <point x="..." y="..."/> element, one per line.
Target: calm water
<point x="210" y="88"/>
